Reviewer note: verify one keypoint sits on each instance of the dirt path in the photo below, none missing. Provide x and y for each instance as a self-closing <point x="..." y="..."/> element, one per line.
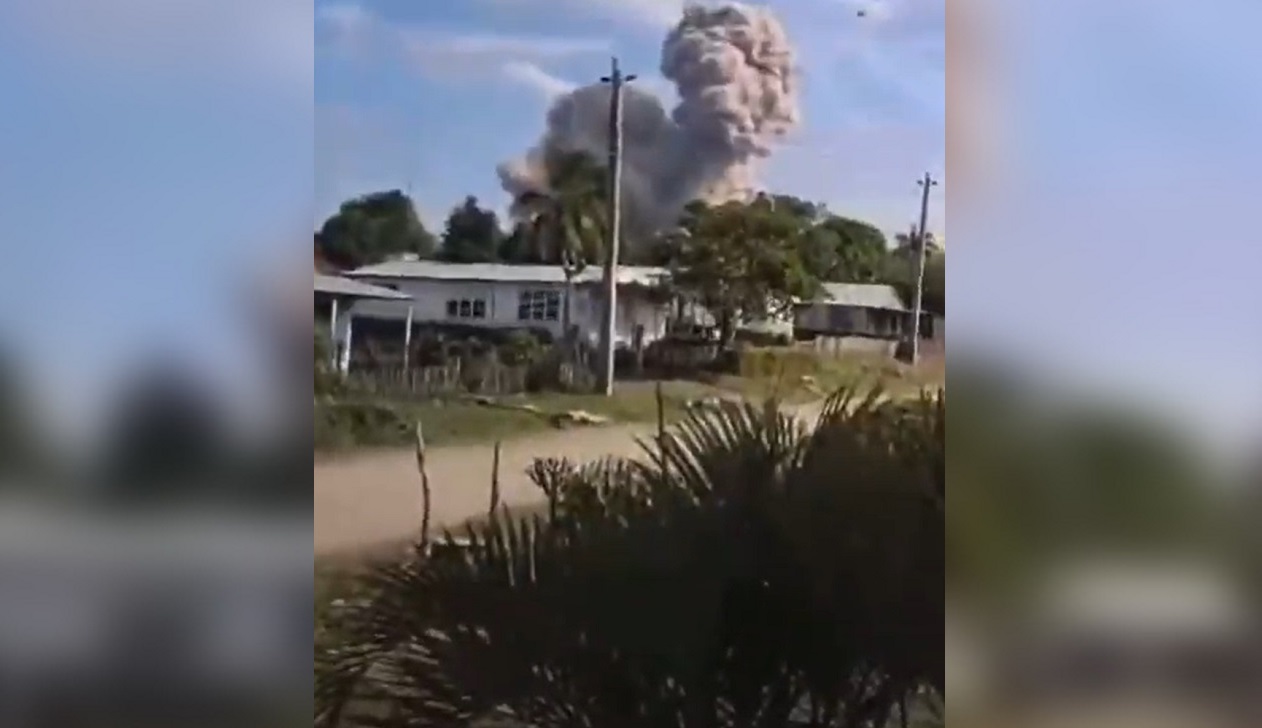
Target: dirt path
<point x="365" y="501"/>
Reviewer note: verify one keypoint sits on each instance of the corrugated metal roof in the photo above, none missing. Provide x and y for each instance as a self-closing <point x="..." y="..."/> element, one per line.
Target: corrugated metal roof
<point x="863" y="295"/>
<point x="339" y="286"/>
<point x="437" y="270"/>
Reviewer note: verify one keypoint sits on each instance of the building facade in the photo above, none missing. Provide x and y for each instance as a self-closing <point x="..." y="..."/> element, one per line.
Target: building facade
<point x="502" y="296"/>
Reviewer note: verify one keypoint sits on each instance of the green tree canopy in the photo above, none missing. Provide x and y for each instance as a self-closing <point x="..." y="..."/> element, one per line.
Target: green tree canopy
<point x="900" y="272"/>
<point x="371" y="228"/>
<point x="472" y="235"/>
<point x="741" y="261"/>
<point x="858" y="249"/>
<point x="834" y="248"/>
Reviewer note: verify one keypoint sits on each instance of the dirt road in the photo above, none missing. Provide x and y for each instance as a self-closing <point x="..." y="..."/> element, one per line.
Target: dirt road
<point x="368" y="500"/>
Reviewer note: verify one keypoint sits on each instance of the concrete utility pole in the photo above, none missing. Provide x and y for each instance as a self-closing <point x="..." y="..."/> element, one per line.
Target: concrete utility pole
<point x="918" y="304"/>
<point x="607" y="330"/>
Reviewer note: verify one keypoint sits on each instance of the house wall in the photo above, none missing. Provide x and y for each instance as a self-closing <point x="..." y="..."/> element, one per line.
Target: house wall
<point x="634" y="310"/>
<point x="501" y="301"/>
<point x="838" y="320"/>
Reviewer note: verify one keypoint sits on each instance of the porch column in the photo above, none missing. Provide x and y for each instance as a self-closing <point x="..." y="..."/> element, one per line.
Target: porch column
<point x="407" y="338"/>
<point x="345" y="365"/>
<point x="333" y="353"/>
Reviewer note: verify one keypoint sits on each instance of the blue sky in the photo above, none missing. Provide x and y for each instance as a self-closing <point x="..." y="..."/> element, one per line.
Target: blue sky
<point x="1119" y="247"/>
<point x="155" y="154"/>
<point x="152" y="152"/>
<point x="152" y="155"/>
<point x="434" y="95"/>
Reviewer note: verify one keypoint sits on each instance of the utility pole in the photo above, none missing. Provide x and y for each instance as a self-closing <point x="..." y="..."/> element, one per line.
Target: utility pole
<point x="921" y="239"/>
<point x="608" y="337"/>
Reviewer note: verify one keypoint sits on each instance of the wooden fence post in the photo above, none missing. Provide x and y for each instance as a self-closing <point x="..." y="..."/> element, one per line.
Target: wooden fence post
<point x="425" y="494"/>
<point x="495" y="479"/>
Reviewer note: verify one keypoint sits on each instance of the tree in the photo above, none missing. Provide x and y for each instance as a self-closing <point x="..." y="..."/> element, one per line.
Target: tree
<point x="371" y="228"/>
<point x="740" y="261"/>
<point x="569" y="219"/>
<point x="472" y="235"/>
<point x="905" y="245"/>
<point x="834" y="248"/>
<point x="515" y="247"/>
<point x="859" y="249"/>
<point x="900" y="272"/>
<point x="748" y="571"/>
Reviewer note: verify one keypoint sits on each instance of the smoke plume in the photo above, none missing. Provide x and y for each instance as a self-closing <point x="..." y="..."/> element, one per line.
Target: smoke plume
<point x="733" y="69"/>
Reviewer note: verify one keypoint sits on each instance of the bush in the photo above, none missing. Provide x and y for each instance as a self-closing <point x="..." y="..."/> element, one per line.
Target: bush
<point x="776" y="363"/>
<point x="341" y="425"/>
<point x="746" y="567"/>
<point x="521" y="347"/>
<point x="762" y="338"/>
<point x="327" y="381"/>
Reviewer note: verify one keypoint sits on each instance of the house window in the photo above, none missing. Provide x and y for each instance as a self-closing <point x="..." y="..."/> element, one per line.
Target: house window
<point x="466" y="308"/>
<point x="539" y="306"/>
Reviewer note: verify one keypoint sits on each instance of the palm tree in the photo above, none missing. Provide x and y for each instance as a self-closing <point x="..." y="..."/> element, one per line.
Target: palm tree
<point x="568" y="217"/>
<point x="749" y="570"/>
<point x="566" y="224"/>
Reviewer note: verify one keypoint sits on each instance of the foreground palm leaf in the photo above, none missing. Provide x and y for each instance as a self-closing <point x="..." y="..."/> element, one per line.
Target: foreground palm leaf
<point x="748" y="571"/>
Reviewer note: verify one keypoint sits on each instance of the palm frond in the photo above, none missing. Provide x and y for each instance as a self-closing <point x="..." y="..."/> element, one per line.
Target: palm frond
<point x="749" y="570"/>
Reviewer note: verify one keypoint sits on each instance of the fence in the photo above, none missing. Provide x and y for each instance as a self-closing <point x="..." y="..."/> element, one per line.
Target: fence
<point x="461" y="377"/>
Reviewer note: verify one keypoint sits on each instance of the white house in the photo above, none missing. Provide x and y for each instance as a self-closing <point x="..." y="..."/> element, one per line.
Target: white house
<point x="503" y="296"/>
<point x="335" y="301"/>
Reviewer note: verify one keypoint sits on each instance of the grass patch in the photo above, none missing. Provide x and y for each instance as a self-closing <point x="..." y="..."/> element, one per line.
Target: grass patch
<point x="344" y="425"/>
<point x="796" y="375"/>
<point x="791" y="375"/>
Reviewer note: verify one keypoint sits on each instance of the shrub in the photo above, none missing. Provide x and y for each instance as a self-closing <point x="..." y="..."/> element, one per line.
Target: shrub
<point x="776" y="363"/>
<point x="340" y="425"/>
<point x="747" y="570"/>
<point x="521" y="347"/>
<point x="327" y="381"/>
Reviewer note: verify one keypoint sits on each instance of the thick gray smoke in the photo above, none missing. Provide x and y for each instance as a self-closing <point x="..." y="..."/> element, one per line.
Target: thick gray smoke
<point x="733" y="69"/>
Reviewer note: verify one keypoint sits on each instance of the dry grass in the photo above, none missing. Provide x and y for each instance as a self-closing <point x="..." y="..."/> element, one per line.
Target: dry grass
<point x="788" y="374"/>
<point x="346" y="426"/>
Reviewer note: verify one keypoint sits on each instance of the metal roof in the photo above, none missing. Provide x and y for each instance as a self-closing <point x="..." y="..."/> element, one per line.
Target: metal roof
<point x="339" y="286"/>
<point x="862" y="295"/>
<point x="501" y="272"/>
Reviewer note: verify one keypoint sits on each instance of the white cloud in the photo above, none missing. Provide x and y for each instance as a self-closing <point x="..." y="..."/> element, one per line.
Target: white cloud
<point x="239" y="40"/>
<point x="652" y="15"/>
<point x="532" y="76"/>
<point x="495" y="44"/>
<point x="446" y="54"/>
